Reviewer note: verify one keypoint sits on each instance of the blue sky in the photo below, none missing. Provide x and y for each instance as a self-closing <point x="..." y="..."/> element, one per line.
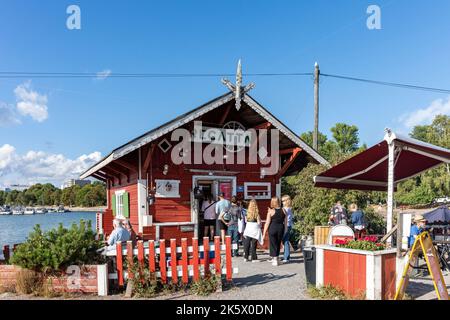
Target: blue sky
<point x="76" y="117"/>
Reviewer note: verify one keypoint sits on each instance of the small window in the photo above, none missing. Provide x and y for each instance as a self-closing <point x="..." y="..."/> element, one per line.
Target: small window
<point x="164" y="145"/>
<point x="257" y="190"/>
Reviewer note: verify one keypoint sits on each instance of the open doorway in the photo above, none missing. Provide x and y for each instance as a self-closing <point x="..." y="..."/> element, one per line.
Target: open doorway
<point x="211" y="185"/>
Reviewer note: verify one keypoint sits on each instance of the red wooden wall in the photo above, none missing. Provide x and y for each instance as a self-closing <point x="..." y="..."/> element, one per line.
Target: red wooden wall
<point x="346" y="271"/>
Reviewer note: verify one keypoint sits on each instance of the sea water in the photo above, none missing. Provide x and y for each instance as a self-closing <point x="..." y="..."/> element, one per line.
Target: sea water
<point x="16" y="228"/>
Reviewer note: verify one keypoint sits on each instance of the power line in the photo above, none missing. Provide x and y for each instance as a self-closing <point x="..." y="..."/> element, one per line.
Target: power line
<point x="8" y="74"/>
<point x="391" y="84"/>
<point x="100" y="75"/>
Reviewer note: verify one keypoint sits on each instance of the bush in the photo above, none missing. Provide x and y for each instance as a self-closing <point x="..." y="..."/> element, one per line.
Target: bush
<point x="54" y="250"/>
<point x="329" y="292"/>
<point x="28" y="281"/>
<point x="206" y="286"/>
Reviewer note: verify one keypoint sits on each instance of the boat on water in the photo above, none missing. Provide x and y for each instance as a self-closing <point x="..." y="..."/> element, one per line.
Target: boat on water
<point x="4" y="211"/>
<point x="29" y="211"/>
<point x="18" y="211"/>
<point x="61" y="209"/>
<point x="41" y="210"/>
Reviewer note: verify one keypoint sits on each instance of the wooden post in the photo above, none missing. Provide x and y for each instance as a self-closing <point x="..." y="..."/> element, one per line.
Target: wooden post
<point x="151" y="256"/>
<point x="162" y="260"/>
<point x="173" y="260"/>
<point x="399" y="234"/>
<point x="217" y="262"/>
<point x="195" y="259"/>
<point x="141" y="258"/>
<point x="6" y="253"/>
<point x="228" y="258"/>
<point x="206" y="256"/>
<point x="119" y="263"/>
<point x="184" y="260"/>
<point x="130" y="259"/>
<point x="316" y="107"/>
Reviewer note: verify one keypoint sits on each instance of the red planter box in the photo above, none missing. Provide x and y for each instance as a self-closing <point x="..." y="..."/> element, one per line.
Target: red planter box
<point x="357" y="272"/>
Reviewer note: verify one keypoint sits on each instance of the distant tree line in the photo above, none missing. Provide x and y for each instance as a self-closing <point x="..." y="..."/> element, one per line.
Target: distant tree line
<point x="90" y="195"/>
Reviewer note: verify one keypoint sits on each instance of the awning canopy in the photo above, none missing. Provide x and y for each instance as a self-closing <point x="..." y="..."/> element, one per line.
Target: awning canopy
<point x="369" y="169"/>
<point x="441" y="214"/>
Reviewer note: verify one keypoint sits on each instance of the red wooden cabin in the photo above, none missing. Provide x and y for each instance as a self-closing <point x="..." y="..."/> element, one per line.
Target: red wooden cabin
<point x="147" y="161"/>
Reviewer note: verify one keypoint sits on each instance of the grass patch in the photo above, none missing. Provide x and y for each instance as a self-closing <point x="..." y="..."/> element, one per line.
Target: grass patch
<point x="205" y="286"/>
<point x="329" y="292"/>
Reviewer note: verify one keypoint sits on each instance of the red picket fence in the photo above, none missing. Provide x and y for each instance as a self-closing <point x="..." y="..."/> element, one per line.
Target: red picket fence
<point x="164" y="261"/>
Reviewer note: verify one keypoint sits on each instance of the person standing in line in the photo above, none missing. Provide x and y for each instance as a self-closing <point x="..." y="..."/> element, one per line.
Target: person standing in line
<point x="276" y="224"/>
<point x="233" y="229"/>
<point x="127" y="225"/>
<point x="287" y="208"/>
<point x="252" y="232"/>
<point x="358" y="221"/>
<point x="209" y="216"/>
<point x="338" y="215"/>
<point x="223" y="215"/>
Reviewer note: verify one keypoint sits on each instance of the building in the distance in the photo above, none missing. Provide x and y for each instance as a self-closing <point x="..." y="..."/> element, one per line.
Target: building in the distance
<point x="17" y="187"/>
<point x="72" y="182"/>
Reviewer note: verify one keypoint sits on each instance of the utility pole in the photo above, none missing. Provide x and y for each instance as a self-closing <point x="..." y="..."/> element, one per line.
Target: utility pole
<point x="316" y="107"/>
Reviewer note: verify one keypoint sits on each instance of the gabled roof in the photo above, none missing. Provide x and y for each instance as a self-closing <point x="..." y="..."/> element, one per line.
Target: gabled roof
<point x="192" y="115"/>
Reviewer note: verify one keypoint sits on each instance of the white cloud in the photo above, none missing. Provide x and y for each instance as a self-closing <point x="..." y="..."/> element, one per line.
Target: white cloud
<point x="102" y="75"/>
<point x="426" y="115"/>
<point x="31" y="103"/>
<point x="8" y="115"/>
<point x="42" y="167"/>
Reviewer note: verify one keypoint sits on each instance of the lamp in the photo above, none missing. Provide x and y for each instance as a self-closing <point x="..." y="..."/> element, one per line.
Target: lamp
<point x="165" y="169"/>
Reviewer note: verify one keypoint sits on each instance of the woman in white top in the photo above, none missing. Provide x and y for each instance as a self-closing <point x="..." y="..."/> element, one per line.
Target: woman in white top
<point x="209" y="216"/>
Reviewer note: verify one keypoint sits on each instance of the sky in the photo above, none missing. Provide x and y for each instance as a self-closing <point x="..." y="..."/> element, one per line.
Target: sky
<point x="52" y="129"/>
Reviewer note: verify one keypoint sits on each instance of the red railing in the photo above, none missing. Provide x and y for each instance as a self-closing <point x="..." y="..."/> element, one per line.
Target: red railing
<point x="175" y="262"/>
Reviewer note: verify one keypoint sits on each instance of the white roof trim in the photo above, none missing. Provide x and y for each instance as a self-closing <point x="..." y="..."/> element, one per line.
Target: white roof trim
<point x="155" y="134"/>
<point x="391" y="136"/>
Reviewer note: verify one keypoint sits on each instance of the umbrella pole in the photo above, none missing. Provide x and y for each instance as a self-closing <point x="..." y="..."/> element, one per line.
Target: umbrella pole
<point x="390" y="191"/>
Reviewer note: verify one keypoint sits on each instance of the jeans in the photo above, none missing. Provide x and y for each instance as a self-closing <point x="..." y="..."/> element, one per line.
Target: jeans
<point x="250" y="248"/>
<point x="286" y="243"/>
<point x="233" y="231"/>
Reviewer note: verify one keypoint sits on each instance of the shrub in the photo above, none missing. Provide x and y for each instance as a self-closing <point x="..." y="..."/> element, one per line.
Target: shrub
<point x="206" y="286"/>
<point x="29" y="281"/>
<point x="330" y="292"/>
<point x="54" y="250"/>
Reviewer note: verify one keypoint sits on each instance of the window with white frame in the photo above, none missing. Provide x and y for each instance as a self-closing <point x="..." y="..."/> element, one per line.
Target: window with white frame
<point x="257" y="190"/>
<point x="120" y="204"/>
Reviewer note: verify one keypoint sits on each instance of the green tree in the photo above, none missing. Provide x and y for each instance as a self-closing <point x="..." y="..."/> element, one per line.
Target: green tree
<point x="346" y="137"/>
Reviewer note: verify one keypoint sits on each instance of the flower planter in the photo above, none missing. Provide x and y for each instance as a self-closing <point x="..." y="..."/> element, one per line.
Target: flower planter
<point x="85" y="279"/>
<point x="357" y="272"/>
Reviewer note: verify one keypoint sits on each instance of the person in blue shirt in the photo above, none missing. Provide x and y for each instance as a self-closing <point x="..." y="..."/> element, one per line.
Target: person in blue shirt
<point x="287" y="208"/>
<point x="222" y="207"/>
<point x="119" y="234"/>
<point x="417" y="228"/>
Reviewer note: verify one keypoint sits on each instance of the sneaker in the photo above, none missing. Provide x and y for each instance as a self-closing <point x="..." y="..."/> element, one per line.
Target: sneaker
<point x="275" y="262"/>
<point x="270" y="260"/>
<point x="285" y="261"/>
<point x="256" y="260"/>
<point x="245" y="260"/>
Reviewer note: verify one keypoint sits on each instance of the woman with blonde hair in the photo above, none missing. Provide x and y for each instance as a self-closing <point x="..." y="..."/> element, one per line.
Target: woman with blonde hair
<point x="287" y="208"/>
<point x="252" y="232"/>
<point x="276" y="224"/>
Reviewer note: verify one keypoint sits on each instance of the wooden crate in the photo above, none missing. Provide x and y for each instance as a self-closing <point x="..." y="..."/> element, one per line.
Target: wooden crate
<point x="321" y="234"/>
